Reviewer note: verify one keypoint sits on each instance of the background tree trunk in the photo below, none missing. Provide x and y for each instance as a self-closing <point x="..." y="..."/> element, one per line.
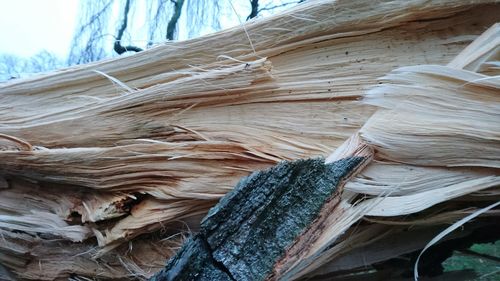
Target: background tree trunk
<point x="119" y="49"/>
<point x="174" y="19"/>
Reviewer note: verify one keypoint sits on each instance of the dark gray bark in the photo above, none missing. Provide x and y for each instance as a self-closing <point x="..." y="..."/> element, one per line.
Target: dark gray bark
<point x="251" y="228"/>
<point x="193" y="262"/>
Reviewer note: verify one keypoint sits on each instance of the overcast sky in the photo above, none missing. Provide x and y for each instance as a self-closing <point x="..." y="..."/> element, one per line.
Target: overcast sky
<point x="28" y="26"/>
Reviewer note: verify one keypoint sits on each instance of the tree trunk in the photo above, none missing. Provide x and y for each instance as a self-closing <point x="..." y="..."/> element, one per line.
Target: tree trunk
<point x="174" y="19"/>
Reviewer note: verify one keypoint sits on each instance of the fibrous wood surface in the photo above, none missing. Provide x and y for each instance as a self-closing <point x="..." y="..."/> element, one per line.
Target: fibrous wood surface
<point x="104" y="168"/>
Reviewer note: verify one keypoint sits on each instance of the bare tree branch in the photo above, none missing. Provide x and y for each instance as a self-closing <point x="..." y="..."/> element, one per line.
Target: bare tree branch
<point x="174" y="19"/>
<point x="98" y="22"/>
<point x="255" y="9"/>
<point x="156" y="14"/>
<point x="87" y="43"/>
<point x="270" y="8"/>
<point x="12" y="66"/>
<point x="118" y="45"/>
<point x="203" y="13"/>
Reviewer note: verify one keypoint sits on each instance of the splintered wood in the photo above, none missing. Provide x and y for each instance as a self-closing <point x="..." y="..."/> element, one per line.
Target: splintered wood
<point x="106" y="168"/>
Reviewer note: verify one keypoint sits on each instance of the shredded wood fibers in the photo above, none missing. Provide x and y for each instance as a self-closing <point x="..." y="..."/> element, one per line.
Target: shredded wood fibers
<point x="105" y="168"/>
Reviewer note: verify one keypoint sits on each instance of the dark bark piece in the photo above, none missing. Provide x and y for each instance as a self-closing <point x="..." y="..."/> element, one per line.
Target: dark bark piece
<point x="193" y="262"/>
<point x="251" y="227"/>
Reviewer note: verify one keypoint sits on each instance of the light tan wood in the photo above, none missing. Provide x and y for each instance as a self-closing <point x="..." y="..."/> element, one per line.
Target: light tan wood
<point x="105" y="167"/>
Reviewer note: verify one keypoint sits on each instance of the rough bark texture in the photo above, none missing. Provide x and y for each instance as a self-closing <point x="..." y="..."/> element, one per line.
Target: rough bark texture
<point x="244" y="235"/>
<point x="193" y="262"/>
